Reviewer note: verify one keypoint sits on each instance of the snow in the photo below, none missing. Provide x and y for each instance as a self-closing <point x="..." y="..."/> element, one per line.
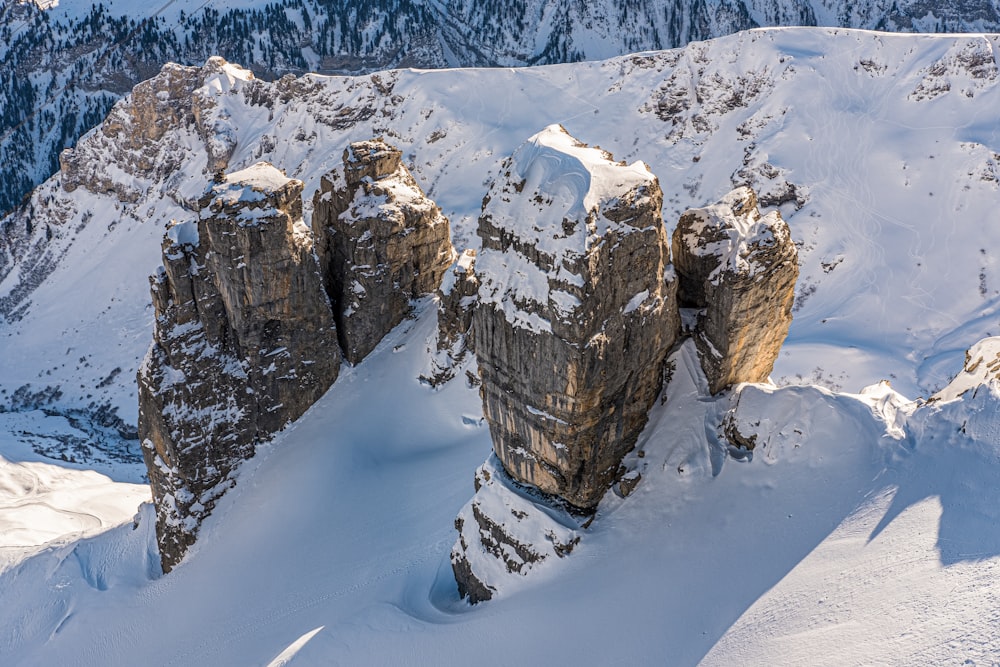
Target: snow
<point x="552" y="195"/>
<point x="864" y="532"/>
<point x="742" y="229"/>
<point x="982" y="367"/>
<point x="250" y="184"/>
<point x="582" y="178"/>
<point x="183" y="232"/>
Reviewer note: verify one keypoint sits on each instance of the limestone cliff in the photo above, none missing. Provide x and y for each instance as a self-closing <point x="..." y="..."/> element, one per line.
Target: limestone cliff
<point x="380" y="243"/>
<point x="576" y="313"/>
<point x="244" y="342"/>
<point x="140" y="131"/>
<point x="738" y="269"/>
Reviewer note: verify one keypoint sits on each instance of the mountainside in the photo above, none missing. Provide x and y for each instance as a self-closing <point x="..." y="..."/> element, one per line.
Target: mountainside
<point x="63" y="67"/>
<point x="855" y="511"/>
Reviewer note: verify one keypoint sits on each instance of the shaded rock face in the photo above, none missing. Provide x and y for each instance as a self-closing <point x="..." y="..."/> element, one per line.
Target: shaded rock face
<point x="380" y="243"/>
<point x="576" y="313"/>
<point x="244" y="342"/>
<point x="738" y="268"/>
<point x="457" y="298"/>
<point x="503" y="534"/>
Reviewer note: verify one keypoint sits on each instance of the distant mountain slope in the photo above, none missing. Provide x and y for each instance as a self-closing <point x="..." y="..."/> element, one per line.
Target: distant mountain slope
<point x="62" y="68"/>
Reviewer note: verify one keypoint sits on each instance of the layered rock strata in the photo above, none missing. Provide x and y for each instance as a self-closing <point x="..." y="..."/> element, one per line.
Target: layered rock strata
<point x="244" y="342"/>
<point x="576" y="313"/>
<point x="503" y="534"/>
<point x="737" y="268"/>
<point x="380" y="242"/>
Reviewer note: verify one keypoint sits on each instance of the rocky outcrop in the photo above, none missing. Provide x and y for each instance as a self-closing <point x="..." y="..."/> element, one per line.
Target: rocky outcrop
<point x="576" y="313"/>
<point x="457" y="297"/>
<point x="140" y="130"/>
<point x="503" y="534"/>
<point x="738" y="269"/>
<point x="981" y="369"/>
<point x="244" y="342"/>
<point x="380" y="243"/>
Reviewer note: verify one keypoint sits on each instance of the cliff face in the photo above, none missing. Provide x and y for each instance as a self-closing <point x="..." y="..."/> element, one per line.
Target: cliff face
<point x="457" y="297"/>
<point x="739" y="269"/>
<point x="380" y="243"/>
<point x="576" y="312"/>
<point x="244" y="343"/>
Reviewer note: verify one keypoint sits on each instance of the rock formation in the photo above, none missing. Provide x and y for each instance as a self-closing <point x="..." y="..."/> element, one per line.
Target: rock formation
<point x="380" y="243"/>
<point x="140" y="131"/>
<point x="981" y="369"/>
<point x="738" y="268"/>
<point x="457" y="297"/>
<point x="503" y="534"/>
<point x="244" y="342"/>
<point x="576" y="313"/>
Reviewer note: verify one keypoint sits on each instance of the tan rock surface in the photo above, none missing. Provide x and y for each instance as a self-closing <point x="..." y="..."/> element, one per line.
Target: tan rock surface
<point x="380" y="243"/>
<point x="576" y="313"/>
<point x="244" y="343"/>
<point x="739" y="269"/>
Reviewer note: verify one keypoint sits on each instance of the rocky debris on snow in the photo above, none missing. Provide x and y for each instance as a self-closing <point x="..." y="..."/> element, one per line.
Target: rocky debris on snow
<point x="380" y="243"/>
<point x="457" y="297"/>
<point x="969" y="67"/>
<point x="738" y="269"/>
<point x="244" y="342"/>
<point x="503" y="534"/>
<point x="576" y="313"/>
<point x="981" y="368"/>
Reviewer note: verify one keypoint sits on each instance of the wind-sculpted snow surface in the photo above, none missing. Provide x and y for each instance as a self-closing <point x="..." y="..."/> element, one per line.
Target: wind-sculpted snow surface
<point x="868" y="548"/>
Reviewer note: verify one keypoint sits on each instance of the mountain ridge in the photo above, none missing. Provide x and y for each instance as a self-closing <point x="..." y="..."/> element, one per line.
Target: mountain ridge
<point x="64" y="66"/>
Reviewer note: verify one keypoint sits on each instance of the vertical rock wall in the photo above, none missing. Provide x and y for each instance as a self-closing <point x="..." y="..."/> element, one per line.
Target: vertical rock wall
<point x="244" y="343"/>
<point x="576" y="313"/>
<point x="380" y="242"/>
<point x="739" y="269"/>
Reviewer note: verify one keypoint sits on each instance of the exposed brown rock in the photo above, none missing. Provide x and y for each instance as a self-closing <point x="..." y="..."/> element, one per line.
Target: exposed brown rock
<point x="244" y="343"/>
<point x="576" y="313"/>
<point x="380" y="243"/>
<point x="739" y="268"/>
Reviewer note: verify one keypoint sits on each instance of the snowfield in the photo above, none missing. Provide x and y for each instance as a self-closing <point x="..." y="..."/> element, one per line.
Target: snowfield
<point x="864" y="528"/>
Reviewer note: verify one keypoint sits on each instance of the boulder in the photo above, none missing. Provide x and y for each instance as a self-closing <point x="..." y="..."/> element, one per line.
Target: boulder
<point x="380" y="243"/>
<point x="737" y="270"/>
<point x="576" y="313"/>
<point x="244" y="342"/>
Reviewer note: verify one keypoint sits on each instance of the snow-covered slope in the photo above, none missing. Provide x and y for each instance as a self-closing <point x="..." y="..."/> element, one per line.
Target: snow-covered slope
<point x="883" y="152"/>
